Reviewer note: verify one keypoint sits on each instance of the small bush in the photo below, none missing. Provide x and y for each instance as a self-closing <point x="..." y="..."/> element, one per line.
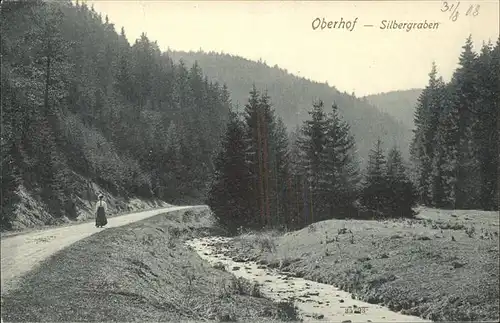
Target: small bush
<point x="256" y="291"/>
<point x="288" y="311"/>
<point x="227" y="317"/>
<point x="171" y="242"/>
<point x="219" y="266"/>
<point x="470" y="231"/>
<point x="451" y="226"/>
<point x="264" y="241"/>
<point x="186" y="216"/>
<point x="342" y="231"/>
<point x="174" y="232"/>
<point x="239" y="286"/>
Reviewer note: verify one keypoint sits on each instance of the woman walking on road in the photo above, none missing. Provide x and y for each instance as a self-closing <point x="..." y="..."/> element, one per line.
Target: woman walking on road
<point x="101" y="208"/>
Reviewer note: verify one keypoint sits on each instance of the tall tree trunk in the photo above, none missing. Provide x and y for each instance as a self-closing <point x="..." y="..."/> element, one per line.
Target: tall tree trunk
<point x="259" y="179"/>
<point x="498" y="157"/>
<point x="266" y="172"/>
<point x="47" y="77"/>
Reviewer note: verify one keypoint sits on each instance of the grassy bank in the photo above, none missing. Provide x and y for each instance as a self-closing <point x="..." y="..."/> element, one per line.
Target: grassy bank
<point x="441" y="267"/>
<point x="140" y="272"/>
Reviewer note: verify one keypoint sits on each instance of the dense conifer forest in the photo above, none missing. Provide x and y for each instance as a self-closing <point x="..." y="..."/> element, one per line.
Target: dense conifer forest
<point x="81" y="105"/>
<point x="456" y="144"/>
<point x="265" y="179"/>
<point x="317" y="176"/>
<point x="292" y="96"/>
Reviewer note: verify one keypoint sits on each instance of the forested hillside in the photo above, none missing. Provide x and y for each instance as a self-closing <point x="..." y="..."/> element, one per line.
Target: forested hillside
<point x="399" y="104"/>
<point x="266" y="179"/>
<point x="261" y="181"/>
<point x="456" y="142"/>
<point x="84" y="110"/>
<point x="293" y="96"/>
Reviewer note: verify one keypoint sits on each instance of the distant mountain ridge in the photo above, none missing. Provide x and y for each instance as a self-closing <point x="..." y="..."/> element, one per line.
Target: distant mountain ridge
<point x="399" y="104"/>
<point x="292" y="97"/>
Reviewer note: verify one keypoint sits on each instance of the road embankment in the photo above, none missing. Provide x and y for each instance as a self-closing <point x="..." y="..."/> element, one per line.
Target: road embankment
<point x="138" y="272"/>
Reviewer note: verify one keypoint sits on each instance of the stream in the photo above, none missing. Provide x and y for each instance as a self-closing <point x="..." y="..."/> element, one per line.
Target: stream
<point x="316" y="301"/>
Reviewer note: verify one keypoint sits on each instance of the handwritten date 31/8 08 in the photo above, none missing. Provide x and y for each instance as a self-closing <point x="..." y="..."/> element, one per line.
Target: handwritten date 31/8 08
<point x="453" y="9"/>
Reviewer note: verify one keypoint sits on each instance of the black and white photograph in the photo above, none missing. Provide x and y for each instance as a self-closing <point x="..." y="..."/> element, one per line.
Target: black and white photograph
<point x="250" y="161"/>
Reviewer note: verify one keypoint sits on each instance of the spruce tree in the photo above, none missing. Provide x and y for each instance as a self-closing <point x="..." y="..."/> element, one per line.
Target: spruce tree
<point x="254" y="133"/>
<point x="439" y="190"/>
<point x="339" y="167"/>
<point x="282" y="175"/>
<point x="426" y="121"/>
<point x="267" y="153"/>
<point x="8" y="151"/>
<point x="296" y="181"/>
<point x="464" y="83"/>
<point x="375" y="196"/>
<point x="312" y="143"/>
<point x="484" y="129"/>
<point x="401" y="193"/>
<point x="84" y="106"/>
<point x="266" y="128"/>
<point x="455" y="146"/>
<point x="228" y="196"/>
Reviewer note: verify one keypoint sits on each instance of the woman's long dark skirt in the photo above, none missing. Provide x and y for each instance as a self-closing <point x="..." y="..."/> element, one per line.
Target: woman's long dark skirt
<point x="101" y="220"/>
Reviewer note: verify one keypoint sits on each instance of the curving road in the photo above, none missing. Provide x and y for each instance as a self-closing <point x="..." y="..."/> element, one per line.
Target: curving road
<point x="23" y="252"/>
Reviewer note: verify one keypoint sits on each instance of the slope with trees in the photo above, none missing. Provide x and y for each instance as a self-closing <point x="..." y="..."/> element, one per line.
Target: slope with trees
<point x="292" y="97"/>
<point x="252" y="169"/>
<point x="398" y="104"/>
<point x="83" y="109"/>
<point x="455" y="148"/>
<point x="264" y="179"/>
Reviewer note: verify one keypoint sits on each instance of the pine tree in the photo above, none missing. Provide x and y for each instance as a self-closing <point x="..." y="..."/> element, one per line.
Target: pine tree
<point x="173" y="158"/>
<point x="375" y="196"/>
<point x="484" y="130"/>
<point x="8" y="152"/>
<point x="312" y="144"/>
<point x="298" y="214"/>
<point x="85" y="105"/>
<point x="439" y="190"/>
<point x="401" y="194"/>
<point x="339" y="167"/>
<point x="228" y="196"/>
<point x="455" y="143"/>
<point x="495" y="137"/>
<point x="464" y="83"/>
<point x="144" y="53"/>
<point x="253" y="140"/>
<point x="448" y="155"/>
<point x="265" y="128"/>
<point x="123" y="79"/>
<point x="281" y="171"/>
<point x="426" y="121"/>
<point x="267" y="153"/>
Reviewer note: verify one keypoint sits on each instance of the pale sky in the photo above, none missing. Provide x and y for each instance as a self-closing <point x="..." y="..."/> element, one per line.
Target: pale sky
<point x="366" y="60"/>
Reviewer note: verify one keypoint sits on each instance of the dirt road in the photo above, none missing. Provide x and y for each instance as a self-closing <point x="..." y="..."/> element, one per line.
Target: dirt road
<point x="22" y="253"/>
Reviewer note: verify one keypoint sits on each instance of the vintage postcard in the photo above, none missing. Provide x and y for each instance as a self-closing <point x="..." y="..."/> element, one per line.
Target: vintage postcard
<point x="260" y="161"/>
